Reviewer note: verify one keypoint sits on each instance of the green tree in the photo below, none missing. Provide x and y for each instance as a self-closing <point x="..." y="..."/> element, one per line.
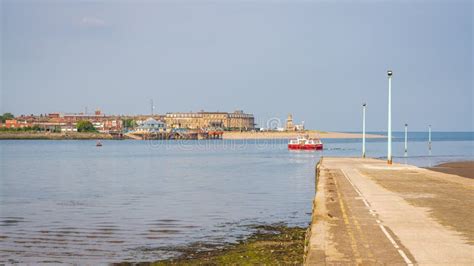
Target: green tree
<point x="6" y="116"/>
<point x="85" y="126"/>
<point x="129" y="123"/>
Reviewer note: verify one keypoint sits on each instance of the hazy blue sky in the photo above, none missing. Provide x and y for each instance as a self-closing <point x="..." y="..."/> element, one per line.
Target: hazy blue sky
<point x="317" y="60"/>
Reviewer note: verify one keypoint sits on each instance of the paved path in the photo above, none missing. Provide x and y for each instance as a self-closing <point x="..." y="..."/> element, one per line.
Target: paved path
<point x="367" y="212"/>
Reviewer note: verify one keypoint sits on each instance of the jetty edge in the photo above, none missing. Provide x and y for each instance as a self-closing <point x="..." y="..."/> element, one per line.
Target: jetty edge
<point x="368" y="212"/>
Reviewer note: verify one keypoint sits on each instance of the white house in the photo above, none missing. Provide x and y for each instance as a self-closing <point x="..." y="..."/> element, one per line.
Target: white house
<point x="152" y="125"/>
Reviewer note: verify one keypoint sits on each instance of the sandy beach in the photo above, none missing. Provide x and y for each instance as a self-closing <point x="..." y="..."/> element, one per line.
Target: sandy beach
<point x="292" y="134"/>
<point x="464" y="169"/>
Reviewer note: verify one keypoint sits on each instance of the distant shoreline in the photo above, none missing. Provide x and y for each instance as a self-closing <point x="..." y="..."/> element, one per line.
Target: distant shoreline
<point x="293" y="134"/>
<point x="228" y="135"/>
<point x="19" y="135"/>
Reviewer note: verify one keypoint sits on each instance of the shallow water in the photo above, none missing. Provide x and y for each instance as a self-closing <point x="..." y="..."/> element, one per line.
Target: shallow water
<point x="70" y="201"/>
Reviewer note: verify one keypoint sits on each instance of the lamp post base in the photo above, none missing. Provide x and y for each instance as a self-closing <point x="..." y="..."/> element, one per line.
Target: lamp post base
<point x="389" y="161"/>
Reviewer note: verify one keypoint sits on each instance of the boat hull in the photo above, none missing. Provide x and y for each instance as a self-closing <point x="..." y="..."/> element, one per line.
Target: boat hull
<point x="305" y="146"/>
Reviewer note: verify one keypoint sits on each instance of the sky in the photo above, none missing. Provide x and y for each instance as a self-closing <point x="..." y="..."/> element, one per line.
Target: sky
<point x="318" y="60"/>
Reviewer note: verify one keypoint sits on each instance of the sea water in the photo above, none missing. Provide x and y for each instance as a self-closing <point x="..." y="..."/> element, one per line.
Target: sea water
<point x="72" y="202"/>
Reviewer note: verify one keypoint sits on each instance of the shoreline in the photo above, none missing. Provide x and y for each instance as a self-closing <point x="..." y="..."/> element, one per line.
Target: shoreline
<point x="269" y="244"/>
<point x="53" y="136"/>
<point x="293" y="134"/>
<point x="460" y="168"/>
<point x="228" y="135"/>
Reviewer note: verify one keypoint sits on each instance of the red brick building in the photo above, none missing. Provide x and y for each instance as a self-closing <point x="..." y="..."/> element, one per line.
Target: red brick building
<point x="13" y="123"/>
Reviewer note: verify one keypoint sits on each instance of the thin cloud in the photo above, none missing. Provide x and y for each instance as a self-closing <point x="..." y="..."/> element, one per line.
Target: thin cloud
<point x="92" y="22"/>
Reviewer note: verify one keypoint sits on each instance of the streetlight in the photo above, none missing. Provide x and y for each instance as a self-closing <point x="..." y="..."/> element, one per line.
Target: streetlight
<point x="363" y="129"/>
<point x="152" y="107"/>
<point x="389" y="148"/>
<point x="429" y="137"/>
<point x="406" y="139"/>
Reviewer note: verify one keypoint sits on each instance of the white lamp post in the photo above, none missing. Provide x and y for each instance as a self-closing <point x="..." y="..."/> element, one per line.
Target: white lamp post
<point x="429" y="137"/>
<point x="363" y="129"/>
<point x="406" y="139"/>
<point x="152" y="107"/>
<point x="389" y="148"/>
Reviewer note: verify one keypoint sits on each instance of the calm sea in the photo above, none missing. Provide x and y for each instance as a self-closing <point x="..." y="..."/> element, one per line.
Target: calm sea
<point x="70" y="201"/>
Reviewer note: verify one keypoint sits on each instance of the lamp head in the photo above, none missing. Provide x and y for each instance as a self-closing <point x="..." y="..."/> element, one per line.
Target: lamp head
<point x="364" y="104"/>
<point x="389" y="73"/>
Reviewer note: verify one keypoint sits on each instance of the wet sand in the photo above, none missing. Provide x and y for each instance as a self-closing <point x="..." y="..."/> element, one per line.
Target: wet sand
<point x="464" y="169"/>
<point x="269" y="245"/>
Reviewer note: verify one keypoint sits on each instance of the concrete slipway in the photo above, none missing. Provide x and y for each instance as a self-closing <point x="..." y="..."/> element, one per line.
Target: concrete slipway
<point x="368" y="212"/>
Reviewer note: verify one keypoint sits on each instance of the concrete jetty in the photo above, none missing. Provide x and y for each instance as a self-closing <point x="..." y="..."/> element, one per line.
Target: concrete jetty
<point x="368" y="212"/>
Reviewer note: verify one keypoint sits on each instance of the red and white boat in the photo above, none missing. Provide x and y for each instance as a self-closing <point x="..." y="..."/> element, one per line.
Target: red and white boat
<point x="305" y="143"/>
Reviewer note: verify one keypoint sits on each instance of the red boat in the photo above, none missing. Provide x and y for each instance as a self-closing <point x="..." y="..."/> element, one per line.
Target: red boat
<point x="305" y="143"/>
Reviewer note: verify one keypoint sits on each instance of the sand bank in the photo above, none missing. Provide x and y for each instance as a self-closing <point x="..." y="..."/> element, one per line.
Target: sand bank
<point x="464" y="169"/>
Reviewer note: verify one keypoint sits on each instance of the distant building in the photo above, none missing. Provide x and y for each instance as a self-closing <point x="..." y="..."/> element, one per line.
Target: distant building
<point x="300" y="127"/>
<point x="81" y="116"/>
<point x="54" y="115"/>
<point x="237" y="120"/>
<point x="108" y="125"/>
<point x="68" y="128"/>
<point x="11" y="123"/>
<point x="152" y="125"/>
<point x="290" y="126"/>
<point x="14" y="123"/>
<point x="75" y="117"/>
<point x="67" y="122"/>
<point x="112" y="125"/>
<point x="289" y="123"/>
